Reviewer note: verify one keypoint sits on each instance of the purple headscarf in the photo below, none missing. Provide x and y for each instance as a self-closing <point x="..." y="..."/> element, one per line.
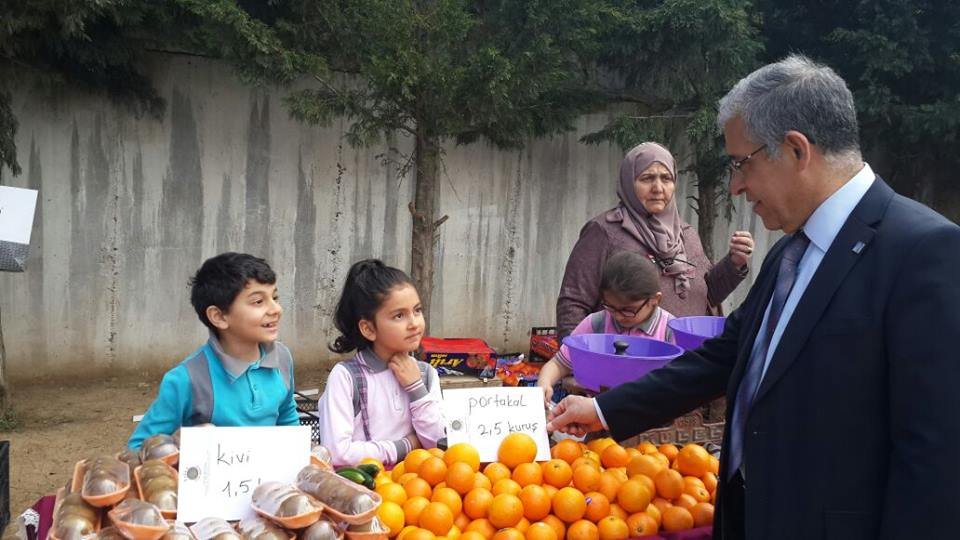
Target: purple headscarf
<point x="659" y="232"/>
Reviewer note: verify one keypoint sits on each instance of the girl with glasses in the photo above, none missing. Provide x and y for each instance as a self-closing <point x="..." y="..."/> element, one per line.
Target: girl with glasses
<point x="630" y="306"/>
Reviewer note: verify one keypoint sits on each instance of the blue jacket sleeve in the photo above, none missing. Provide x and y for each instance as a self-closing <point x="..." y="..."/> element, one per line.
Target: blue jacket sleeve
<point x="169" y="410"/>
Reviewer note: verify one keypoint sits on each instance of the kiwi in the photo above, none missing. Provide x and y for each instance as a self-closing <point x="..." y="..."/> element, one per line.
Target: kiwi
<point x="160" y="483"/>
<point x="360" y="503"/>
<point x="321" y="530"/>
<point x="100" y="486"/>
<point x="165" y="500"/>
<point x="295" y="505"/>
<point x="73" y="527"/>
<point x="110" y="533"/>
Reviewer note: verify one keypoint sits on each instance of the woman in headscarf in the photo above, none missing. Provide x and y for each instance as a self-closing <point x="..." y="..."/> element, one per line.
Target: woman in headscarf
<point x="647" y="221"/>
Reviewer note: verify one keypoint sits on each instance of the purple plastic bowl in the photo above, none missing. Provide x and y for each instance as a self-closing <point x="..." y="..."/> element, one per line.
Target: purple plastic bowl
<point x="595" y="365"/>
<point x="691" y="332"/>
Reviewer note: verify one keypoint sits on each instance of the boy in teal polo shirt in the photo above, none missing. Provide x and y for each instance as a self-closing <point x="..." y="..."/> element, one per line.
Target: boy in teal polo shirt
<point x="242" y="376"/>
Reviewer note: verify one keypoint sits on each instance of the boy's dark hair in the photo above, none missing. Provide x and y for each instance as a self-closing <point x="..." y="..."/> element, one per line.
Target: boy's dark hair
<point x="631" y="275"/>
<point x="221" y="278"/>
<point x="367" y="285"/>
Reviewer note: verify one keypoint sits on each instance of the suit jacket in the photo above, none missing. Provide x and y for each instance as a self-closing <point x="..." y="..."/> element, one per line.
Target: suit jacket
<point x="854" y="431"/>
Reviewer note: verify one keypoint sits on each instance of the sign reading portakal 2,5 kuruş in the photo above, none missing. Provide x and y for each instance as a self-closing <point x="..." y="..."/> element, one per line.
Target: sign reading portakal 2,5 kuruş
<point x="484" y="416"/>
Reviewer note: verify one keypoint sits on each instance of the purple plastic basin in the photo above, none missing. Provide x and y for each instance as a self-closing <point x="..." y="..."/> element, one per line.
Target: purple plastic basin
<point x="691" y="332"/>
<point x="595" y="365"/>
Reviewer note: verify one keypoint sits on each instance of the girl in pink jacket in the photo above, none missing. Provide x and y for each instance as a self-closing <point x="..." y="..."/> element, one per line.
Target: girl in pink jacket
<point x="381" y="403"/>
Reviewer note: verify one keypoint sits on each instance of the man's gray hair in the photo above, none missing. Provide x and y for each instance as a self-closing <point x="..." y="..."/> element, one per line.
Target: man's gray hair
<point x="795" y="94"/>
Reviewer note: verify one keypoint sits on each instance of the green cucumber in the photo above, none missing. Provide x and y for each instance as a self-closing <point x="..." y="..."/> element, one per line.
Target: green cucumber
<point x="353" y="474"/>
<point x="369" y="468"/>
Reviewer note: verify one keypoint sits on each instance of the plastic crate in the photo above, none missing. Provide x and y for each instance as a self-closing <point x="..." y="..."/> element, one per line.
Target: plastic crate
<point x="307" y="410"/>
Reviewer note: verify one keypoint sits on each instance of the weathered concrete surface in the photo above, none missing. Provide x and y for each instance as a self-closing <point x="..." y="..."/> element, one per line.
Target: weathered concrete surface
<point x="130" y="206"/>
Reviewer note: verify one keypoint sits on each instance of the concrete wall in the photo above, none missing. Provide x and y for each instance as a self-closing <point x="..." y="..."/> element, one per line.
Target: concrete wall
<point x="130" y="206"/>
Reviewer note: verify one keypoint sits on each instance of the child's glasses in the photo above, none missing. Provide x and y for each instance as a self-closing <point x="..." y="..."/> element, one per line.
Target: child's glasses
<point x="625" y="312"/>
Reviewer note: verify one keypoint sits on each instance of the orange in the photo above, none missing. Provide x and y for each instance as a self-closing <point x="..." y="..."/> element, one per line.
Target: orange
<point x="433" y="470"/>
<point x="593" y="456"/>
<point x="558" y="525"/>
<point x="676" y="518"/>
<point x="536" y="502"/>
<point x="669" y="450"/>
<point x="633" y="496"/>
<point x="615" y="510"/>
<point x="372" y="461"/>
<point x="692" y="481"/>
<point x="381" y="478"/>
<point x="496" y="471"/>
<point x="393" y="492"/>
<point x="714" y="464"/>
<point x="461" y="521"/>
<point x="506" y="510"/>
<point x="398" y="470"/>
<point x="586" y="478"/>
<point x="633" y="452"/>
<point x="508" y="533"/>
<point x="647" y="481"/>
<point x="417" y="487"/>
<point x="685" y="501"/>
<point x="460" y="477"/>
<point x="669" y="484"/>
<point x="654" y="512"/>
<point x="583" y="530"/>
<point x="613" y="528"/>
<point x="436" y="518"/>
<point x="540" y="531"/>
<point x="699" y="493"/>
<point x="392" y="516"/>
<point x="567" y="450"/>
<point x="463" y="453"/>
<point x="482" y="526"/>
<point x="522" y="525"/>
<point x="710" y="481"/>
<point x="557" y="473"/>
<point x="405" y="530"/>
<point x="412" y="509"/>
<point x="702" y="514"/>
<point x="527" y="473"/>
<point x="472" y="535"/>
<point x="436" y="452"/>
<point x="517" y="448"/>
<point x="477" y="502"/>
<point x="609" y="484"/>
<point x="448" y="497"/>
<point x="506" y="485"/>
<point x="598" y="445"/>
<point x="584" y="460"/>
<point x="569" y="504"/>
<point x="693" y="460"/>
<point x="660" y="503"/>
<point x="664" y="460"/>
<point x="614" y="455"/>
<point x="551" y="491"/>
<point x="405" y="477"/>
<point x="598" y="506"/>
<point x="454" y="531"/>
<point x="642" y="524"/>
<point x="647" y="447"/>
<point x="419" y="534"/>
<point x="644" y="464"/>
<point x="415" y="458"/>
<point x="481" y="481"/>
<point x="620" y="473"/>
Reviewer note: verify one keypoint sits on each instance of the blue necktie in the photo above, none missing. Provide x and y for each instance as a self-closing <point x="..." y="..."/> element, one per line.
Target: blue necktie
<point x="786" y="275"/>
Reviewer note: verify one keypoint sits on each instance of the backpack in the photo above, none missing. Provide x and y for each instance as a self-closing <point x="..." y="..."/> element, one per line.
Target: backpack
<point x="355" y="368"/>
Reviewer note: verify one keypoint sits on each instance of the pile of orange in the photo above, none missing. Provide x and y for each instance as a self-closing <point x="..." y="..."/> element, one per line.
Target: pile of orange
<point x="594" y="491"/>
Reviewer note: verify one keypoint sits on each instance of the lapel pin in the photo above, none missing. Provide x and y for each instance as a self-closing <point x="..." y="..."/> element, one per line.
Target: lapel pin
<point x="858" y="247"/>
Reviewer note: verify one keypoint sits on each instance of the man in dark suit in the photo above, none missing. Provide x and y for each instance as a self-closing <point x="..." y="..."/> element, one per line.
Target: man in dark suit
<point x="840" y="367"/>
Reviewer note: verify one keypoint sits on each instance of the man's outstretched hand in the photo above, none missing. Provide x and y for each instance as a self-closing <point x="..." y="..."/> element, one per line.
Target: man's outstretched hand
<point x="574" y="415"/>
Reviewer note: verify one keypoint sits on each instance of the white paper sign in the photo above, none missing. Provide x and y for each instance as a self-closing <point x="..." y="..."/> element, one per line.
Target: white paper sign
<point x="17" y="206"/>
<point x="221" y="466"/>
<point x="484" y="416"/>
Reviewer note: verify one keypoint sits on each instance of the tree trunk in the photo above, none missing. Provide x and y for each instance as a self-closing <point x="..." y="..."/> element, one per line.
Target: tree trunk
<point x="4" y="397"/>
<point x="707" y="202"/>
<point x="423" y="210"/>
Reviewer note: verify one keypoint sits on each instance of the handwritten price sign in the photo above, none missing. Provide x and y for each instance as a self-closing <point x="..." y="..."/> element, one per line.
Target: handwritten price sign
<point x="484" y="416"/>
<point x="220" y="467"/>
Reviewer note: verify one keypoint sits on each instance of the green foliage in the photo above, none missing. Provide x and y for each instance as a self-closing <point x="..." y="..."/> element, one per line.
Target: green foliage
<point x="901" y="61"/>
<point x="452" y="69"/>
<point x="677" y="58"/>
